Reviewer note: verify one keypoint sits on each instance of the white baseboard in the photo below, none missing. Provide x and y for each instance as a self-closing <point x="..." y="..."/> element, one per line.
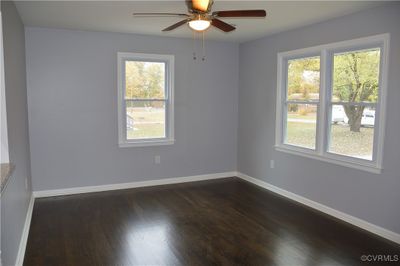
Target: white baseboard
<point x="375" y="229"/>
<point x="25" y="233"/>
<point x="156" y="182"/>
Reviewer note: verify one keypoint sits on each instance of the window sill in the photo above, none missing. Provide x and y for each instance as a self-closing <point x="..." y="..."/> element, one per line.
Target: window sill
<point x="145" y="143"/>
<point x="332" y="158"/>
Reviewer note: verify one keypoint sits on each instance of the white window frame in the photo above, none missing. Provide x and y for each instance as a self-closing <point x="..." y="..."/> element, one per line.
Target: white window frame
<point x="4" y="154"/>
<point x="123" y="141"/>
<point x="323" y="118"/>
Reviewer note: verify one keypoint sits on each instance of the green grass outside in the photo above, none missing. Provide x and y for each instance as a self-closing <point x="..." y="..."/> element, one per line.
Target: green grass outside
<point x="343" y="141"/>
<point x="301" y="134"/>
<point x="148" y="123"/>
<point x="309" y="116"/>
<point x="147" y="131"/>
<point x="143" y="115"/>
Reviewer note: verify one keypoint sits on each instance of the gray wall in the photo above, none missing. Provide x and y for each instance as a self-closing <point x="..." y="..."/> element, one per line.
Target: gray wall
<point x="72" y="96"/>
<point x="15" y="198"/>
<point x="371" y="197"/>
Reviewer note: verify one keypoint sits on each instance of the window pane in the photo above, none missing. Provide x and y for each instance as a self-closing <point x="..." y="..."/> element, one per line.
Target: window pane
<point x="145" y="119"/>
<point x="352" y="131"/>
<point x="301" y="125"/>
<point x="144" y="80"/>
<point x="356" y="76"/>
<point x="303" y="79"/>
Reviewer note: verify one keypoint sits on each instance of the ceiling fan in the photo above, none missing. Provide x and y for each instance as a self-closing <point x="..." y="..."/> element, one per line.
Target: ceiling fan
<point x="200" y="17"/>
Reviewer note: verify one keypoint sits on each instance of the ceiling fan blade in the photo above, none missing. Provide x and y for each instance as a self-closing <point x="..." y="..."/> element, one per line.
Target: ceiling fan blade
<point x="199" y="5"/>
<point x="222" y="25"/>
<point x="240" y="13"/>
<point x="159" y="14"/>
<point x="176" y="25"/>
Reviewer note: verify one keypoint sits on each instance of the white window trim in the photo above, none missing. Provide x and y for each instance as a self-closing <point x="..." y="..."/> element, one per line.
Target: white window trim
<point x="321" y="153"/>
<point x="169" y="139"/>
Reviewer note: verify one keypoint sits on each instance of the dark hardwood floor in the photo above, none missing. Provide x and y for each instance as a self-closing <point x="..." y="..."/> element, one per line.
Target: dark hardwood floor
<point x="219" y="222"/>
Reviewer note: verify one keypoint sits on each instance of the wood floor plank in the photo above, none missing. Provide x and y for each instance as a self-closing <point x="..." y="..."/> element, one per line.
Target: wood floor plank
<point x="219" y="222"/>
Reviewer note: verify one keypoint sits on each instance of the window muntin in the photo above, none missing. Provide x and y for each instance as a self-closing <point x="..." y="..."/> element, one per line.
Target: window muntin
<point x="145" y="99"/>
<point x="364" y="150"/>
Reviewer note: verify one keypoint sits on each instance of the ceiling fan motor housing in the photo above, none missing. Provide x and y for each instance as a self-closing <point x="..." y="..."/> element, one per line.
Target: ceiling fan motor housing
<point x="199" y="6"/>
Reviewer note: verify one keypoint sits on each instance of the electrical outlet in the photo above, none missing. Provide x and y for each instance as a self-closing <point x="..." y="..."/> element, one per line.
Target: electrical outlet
<point x="157" y="159"/>
<point x="272" y="164"/>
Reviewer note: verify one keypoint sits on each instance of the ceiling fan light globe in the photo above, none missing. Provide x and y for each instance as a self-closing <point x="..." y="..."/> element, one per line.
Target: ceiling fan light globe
<point x="199" y="24"/>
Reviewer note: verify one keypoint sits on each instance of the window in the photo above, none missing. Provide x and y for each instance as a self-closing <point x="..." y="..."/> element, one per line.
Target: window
<point x="4" y="156"/>
<point x="330" y="102"/>
<point x="145" y="99"/>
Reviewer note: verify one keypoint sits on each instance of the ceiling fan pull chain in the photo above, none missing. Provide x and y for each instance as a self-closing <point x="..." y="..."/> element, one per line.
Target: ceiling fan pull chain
<point x="194" y="46"/>
<point x="203" y="47"/>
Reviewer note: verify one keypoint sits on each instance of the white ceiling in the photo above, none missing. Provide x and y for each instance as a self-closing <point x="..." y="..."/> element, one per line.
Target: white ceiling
<point x="116" y="16"/>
